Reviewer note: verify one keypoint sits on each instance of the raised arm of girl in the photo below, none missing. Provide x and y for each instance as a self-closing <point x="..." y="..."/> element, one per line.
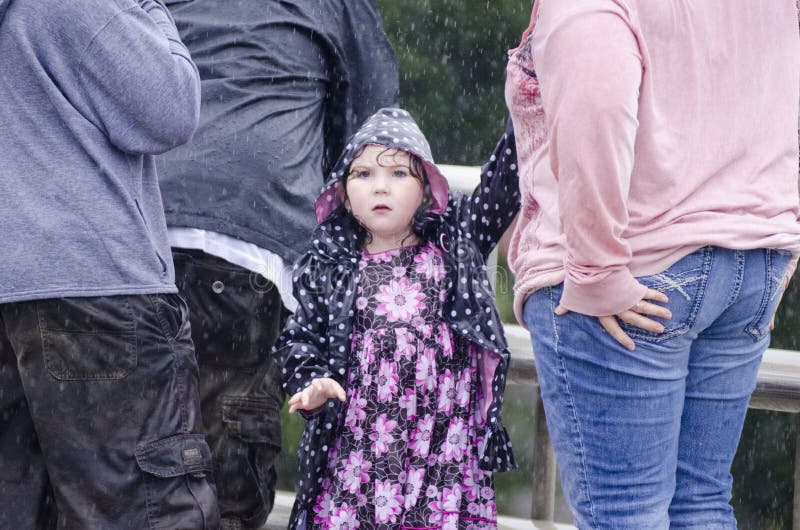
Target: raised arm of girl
<point x="484" y="216"/>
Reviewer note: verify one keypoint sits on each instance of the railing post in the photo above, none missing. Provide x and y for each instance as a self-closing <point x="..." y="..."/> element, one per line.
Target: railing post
<point x="796" y="500"/>
<point x="544" y="468"/>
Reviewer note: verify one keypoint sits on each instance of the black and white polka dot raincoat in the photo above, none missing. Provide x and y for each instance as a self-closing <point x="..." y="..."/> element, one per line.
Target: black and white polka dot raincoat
<point x="316" y="340"/>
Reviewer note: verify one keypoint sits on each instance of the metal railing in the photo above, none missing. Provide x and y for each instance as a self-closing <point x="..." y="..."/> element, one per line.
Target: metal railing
<point x="777" y="389"/>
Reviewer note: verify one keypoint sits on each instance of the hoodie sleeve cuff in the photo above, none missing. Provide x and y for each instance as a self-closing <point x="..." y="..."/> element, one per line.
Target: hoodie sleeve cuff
<point x="615" y="293"/>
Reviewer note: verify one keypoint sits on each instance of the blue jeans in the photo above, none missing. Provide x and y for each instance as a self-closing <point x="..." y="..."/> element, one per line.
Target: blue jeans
<point x="645" y="438"/>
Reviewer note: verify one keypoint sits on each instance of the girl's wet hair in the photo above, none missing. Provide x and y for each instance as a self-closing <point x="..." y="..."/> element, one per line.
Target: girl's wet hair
<point x="421" y="225"/>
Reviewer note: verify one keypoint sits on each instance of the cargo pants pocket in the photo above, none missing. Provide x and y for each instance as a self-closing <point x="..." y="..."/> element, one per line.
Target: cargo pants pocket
<point x="88" y="338"/>
<point x="253" y="434"/>
<point x="178" y="482"/>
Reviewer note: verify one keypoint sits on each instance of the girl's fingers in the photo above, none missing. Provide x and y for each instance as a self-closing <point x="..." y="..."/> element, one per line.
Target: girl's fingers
<point x="611" y="325"/>
<point x="635" y="315"/>
<point x="329" y="388"/>
<point x="646" y="308"/>
<point x="316" y="394"/>
<point x="635" y="319"/>
<point x="293" y="403"/>
<point x="652" y="294"/>
<point x="299" y="401"/>
<point x="338" y="391"/>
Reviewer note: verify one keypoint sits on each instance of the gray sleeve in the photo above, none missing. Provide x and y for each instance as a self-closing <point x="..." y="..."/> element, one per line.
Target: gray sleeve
<point x="139" y="82"/>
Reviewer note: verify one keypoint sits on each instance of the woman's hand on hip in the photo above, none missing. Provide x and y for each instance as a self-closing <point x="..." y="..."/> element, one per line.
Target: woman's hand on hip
<point x="314" y="395"/>
<point x="635" y="316"/>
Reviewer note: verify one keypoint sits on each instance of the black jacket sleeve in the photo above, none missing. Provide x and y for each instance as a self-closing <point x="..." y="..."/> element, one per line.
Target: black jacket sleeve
<point x="374" y="77"/>
<point x="364" y="76"/>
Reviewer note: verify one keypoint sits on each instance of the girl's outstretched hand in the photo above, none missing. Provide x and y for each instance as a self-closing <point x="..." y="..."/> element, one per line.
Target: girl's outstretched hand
<point x="314" y="395"/>
<point x="635" y="317"/>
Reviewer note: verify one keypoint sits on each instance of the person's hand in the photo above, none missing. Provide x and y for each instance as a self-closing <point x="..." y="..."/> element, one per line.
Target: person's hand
<point x="635" y="317"/>
<point x="314" y="395"/>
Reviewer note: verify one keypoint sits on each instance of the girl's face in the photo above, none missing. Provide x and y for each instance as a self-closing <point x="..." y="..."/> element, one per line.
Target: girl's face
<point x="384" y="196"/>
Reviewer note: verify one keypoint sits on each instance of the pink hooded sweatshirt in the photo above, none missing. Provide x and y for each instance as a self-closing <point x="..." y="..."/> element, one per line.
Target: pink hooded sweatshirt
<point x="648" y="130"/>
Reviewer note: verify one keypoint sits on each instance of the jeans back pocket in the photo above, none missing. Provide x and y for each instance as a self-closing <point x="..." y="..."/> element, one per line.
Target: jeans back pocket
<point x="775" y="264"/>
<point x="684" y="284"/>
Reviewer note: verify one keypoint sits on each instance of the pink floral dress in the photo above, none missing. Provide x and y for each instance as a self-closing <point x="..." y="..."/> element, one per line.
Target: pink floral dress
<point x="406" y="454"/>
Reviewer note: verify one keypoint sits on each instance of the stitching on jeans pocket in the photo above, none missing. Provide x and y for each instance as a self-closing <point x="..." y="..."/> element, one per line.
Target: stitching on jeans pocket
<point x="685" y="284"/>
<point x="776" y="260"/>
<point x="88" y="338"/>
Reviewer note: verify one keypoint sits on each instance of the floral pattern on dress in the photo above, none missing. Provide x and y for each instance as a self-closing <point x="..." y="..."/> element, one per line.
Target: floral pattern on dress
<point x="407" y="451"/>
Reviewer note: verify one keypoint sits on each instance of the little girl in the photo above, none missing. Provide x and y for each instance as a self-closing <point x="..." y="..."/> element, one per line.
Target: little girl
<point x="396" y="354"/>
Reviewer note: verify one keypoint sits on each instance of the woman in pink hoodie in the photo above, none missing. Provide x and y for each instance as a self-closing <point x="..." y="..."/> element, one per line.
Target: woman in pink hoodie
<point x="658" y="157"/>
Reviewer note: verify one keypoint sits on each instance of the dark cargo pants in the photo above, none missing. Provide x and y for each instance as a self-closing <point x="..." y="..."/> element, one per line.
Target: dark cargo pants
<point x="99" y="416"/>
<point x="236" y="316"/>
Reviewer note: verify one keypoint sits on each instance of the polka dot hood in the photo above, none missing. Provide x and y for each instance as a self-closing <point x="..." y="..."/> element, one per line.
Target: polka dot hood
<point x="390" y="127"/>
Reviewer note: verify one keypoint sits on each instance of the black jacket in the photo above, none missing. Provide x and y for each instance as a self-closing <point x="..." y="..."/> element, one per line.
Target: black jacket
<point x="316" y="340"/>
<point x="283" y="84"/>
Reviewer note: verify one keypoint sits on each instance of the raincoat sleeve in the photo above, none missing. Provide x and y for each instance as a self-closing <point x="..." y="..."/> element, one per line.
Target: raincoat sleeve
<point x="489" y="211"/>
<point x="495" y="451"/>
<point x="303" y="344"/>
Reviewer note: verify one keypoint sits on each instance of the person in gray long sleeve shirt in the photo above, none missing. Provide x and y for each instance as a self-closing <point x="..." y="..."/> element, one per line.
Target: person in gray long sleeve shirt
<point x="99" y="403"/>
<point x="88" y="90"/>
